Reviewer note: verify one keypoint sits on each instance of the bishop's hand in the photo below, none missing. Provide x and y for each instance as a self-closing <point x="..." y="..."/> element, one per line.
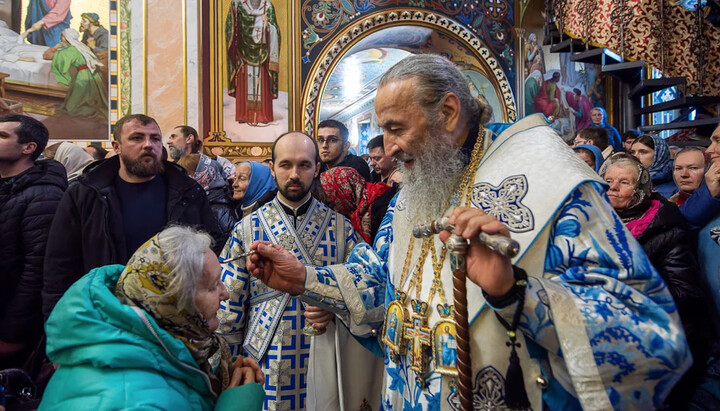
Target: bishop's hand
<point x="486" y="268"/>
<point x="277" y="268"/>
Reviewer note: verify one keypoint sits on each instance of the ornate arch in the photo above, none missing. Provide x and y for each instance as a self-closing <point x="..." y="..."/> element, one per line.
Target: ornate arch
<point x="344" y="40"/>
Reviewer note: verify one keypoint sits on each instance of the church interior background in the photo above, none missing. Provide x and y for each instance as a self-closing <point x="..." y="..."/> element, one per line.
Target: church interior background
<point x="322" y="59"/>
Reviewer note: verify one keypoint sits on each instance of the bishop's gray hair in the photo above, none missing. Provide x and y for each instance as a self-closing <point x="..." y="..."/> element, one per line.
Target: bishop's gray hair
<point x="184" y="250"/>
<point x="435" y="77"/>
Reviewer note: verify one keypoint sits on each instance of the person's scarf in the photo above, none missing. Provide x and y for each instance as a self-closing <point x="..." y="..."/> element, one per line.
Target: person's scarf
<point x="209" y="174"/>
<point x="661" y="168"/>
<point x="261" y="181"/>
<point x="347" y="192"/>
<point x="74" y="158"/>
<point x="640" y="199"/>
<point x="145" y="283"/>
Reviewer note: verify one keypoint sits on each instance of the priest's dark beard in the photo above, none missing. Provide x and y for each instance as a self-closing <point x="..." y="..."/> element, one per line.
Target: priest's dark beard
<point x="432" y="180"/>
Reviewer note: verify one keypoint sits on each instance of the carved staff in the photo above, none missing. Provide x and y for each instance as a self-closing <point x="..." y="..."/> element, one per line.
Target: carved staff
<point x="457" y="246"/>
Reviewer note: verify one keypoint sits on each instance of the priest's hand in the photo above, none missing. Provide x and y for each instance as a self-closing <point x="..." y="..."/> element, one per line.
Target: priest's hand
<point x="486" y="268"/>
<point x="277" y="268"/>
<point x="317" y="317"/>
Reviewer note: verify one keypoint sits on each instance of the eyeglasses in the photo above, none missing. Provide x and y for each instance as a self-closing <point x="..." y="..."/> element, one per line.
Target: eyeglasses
<point x="329" y="140"/>
<point x="579" y="141"/>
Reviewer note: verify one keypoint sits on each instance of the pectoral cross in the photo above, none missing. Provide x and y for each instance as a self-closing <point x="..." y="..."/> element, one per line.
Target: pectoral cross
<point x="417" y="334"/>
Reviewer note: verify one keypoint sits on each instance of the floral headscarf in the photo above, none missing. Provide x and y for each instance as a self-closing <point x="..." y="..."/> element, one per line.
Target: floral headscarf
<point x="643" y="186"/>
<point x="347" y="192"/>
<point x="145" y="283"/>
<point x="209" y="174"/>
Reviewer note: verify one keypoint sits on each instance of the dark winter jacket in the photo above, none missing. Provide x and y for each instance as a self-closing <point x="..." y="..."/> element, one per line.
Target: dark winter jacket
<point x="87" y="231"/>
<point x="27" y="204"/>
<point x="219" y="199"/>
<point x="669" y="246"/>
<point x="353" y="161"/>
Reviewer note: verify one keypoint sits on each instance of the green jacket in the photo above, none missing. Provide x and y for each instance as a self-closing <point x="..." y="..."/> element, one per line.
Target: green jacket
<point x="112" y="358"/>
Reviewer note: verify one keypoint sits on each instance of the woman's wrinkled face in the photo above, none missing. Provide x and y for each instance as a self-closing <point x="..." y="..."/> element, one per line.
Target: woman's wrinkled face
<point x="622" y="180"/>
<point x="210" y="291"/>
<point x="242" y="178"/>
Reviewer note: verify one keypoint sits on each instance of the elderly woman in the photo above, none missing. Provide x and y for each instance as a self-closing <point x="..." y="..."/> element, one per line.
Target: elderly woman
<point x="654" y="154"/>
<point x="659" y="227"/>
<point x="141" y="336"/>
<point x="252" y="183"/>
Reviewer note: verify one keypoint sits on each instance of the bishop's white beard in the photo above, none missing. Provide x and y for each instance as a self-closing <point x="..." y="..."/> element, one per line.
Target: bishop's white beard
<point x="432" y="180"/>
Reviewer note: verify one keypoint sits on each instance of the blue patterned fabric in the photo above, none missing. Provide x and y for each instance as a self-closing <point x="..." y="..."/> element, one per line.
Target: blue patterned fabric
<point x="631" y="321"/>
<point x="266" y="324"/>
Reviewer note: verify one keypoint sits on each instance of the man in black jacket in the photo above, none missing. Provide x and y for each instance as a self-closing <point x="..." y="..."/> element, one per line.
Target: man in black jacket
<point x="29" y="195"/>
<point x="118" y="205"/>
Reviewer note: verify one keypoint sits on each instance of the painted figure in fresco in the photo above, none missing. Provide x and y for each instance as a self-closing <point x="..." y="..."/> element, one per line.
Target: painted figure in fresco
<point x="253" y="45"/>
<point x="533" y="82"/>
<point x="88" y="95"/>
<point x="46" y="20"/>
<point x="534" y="55"/>
<point x="548" y="99"/>
<point x="94" y="35"/>
<point x="580" y="107"/>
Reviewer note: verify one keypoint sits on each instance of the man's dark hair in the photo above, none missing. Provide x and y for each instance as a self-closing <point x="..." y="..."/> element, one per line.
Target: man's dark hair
<point x="598" y="135"/>
<point x="632" y="133"/>
<point x="344" y="133"/>
<point x="376" y="142"/>
<point x="315" y="144"/>
<point x="189" y="131"/>
<point x="141" y="118"/>
<point x="101" y="153"/>
<point x="29" y="131"/>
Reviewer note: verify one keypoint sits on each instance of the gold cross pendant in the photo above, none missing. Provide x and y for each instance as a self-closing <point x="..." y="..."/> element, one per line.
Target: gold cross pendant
<point x="417" y="335"/>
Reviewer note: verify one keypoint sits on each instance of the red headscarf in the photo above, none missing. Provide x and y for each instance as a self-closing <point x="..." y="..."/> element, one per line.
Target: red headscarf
<point x="347" y="192"/>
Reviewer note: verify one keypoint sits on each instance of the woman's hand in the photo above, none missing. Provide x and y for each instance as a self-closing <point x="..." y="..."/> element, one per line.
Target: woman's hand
<point x="246" y="370"/>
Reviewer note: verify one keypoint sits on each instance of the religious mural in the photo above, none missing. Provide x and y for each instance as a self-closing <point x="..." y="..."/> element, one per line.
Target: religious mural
<point x="54" y="60"/>
<point x="563" y="90"/>
<point x="255" y="92"/>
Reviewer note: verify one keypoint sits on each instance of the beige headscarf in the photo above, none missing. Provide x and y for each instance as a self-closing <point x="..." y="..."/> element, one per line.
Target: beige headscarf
<point x="74" y="158"/>
<point x="145" y="283"/>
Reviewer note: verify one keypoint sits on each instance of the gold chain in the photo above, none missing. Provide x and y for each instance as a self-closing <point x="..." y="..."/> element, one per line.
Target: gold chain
<point x="428" y="246"/>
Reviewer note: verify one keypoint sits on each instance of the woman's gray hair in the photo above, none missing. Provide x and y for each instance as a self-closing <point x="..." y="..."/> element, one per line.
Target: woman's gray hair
<point x="184" y="250"/>
<point x="643" y="183"/>
<point x="435" y="77"/>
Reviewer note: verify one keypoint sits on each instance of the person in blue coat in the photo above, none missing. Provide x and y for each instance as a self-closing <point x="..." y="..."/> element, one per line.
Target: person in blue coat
<point x="141" y="336"/>
<point x="654" y="154"/>
<point x="598" y="115"/>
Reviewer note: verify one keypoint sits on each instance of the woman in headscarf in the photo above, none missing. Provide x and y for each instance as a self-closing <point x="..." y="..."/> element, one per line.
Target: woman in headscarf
<point x="87" y="95"/>
<point x="252" y="185"/>
<point x="141" y="336"/>
<point x="211" y="177"/>
<point x="598" y="116"/>
<point x="591" y="155"/>
<point x="74" y="158"/>
<point x="347" y="192"/>
<point x="659" y="227"/>
<point x="654" y="154"/>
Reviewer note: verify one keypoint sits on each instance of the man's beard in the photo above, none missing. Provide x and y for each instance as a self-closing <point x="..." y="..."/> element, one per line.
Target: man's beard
<point x="175" y="153"/>
<point x="433" y="178"/>
<point x="141" y="169"/>
<point x="292" y="195"/>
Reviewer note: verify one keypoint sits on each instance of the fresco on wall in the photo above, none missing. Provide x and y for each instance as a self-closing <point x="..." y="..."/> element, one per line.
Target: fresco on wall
<point x="561" y="89"/>
<point x="255" y="93"/>
<point x="54" y="60"/>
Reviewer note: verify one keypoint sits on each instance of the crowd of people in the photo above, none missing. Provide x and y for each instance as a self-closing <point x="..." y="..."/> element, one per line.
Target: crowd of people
<point x="156" y="276"/>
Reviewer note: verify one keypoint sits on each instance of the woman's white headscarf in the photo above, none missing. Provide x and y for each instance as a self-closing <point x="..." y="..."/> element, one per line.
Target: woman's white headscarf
<point x="73" y="37"/>
<point x="74" y="158"/>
